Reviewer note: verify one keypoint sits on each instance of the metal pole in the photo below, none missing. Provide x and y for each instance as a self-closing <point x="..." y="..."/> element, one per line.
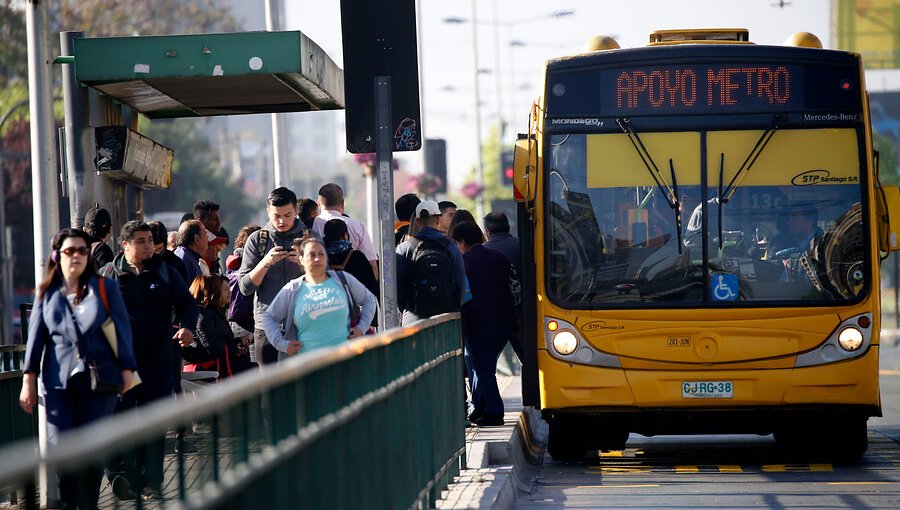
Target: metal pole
<point x="388" y="314"/>
<point x="45" y="195"/>
<point x="421" y="62"/>
<point x="479" y="199"/>
<point x="501" y="126"/>
<point x="279" y="142"/>
<point x="79" y="165"/>
<point x="44" y="190"/>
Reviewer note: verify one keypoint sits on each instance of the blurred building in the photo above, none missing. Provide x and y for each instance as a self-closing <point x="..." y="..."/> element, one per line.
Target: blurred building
<point x="245" y="141"/>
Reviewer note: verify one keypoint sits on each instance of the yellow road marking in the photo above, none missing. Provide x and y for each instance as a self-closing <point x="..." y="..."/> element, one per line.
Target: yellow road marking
<point x="889" y="372"/>
<point x="782" y="468"/>
<point x="613" y="453"/>
<point x="730" y="469"/>
<point x="687" y="469"/>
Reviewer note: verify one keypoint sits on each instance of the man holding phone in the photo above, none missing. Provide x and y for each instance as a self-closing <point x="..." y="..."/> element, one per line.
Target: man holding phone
<point x="269" y="262"/>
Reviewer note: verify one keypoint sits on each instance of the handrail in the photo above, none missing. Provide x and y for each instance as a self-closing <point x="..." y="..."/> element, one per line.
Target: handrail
<point x="153" y="421"/>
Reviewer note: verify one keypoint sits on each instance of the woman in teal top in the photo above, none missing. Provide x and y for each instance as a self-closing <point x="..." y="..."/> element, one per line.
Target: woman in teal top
<point x="315" y="310"/>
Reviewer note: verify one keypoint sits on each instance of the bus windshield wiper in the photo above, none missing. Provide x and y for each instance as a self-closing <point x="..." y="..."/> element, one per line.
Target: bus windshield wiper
<point x="742" y="172"/>
<point x="671" y="197"/>
<point x="670" y="194"/>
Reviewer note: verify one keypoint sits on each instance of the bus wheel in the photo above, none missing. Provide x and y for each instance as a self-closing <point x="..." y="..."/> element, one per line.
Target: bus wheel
<point x="612" y="439"/>
<point x="845" y="440"/>
<point x="565" y="443"/>
<point x="850" y="440"/>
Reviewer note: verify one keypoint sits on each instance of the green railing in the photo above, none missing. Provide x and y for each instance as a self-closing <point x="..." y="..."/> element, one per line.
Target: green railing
<point x="15" y="425"/>
<point x="375" y="423"/>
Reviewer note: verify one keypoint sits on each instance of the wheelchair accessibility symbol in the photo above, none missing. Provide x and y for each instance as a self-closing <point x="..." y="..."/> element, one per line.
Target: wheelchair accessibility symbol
<point x="724" y="286"/>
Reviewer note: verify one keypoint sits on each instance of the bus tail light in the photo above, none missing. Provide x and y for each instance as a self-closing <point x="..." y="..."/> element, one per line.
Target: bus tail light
<point x="850" y="339"/>
<point x="565" y="342"/>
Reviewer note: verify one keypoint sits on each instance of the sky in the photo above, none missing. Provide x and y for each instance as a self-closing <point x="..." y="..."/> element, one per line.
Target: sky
<point x="447" y="62"/>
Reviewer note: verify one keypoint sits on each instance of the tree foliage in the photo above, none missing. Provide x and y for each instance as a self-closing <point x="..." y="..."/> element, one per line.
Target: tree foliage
<point x="194" y="174"/>
<point x="104" y="18"/>
<point x="13" y="51"/>
<point x="889" y="173"/>
<point x="493" y="187"/>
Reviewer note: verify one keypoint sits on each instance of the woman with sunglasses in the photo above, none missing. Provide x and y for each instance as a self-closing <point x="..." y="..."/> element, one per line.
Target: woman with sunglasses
<point x="66" y="343"/>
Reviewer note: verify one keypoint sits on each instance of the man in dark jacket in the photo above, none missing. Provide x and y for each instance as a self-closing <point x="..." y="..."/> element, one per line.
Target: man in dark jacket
<point x="488" y="321"/>
<point x="152" y="290"/>
<point x="269" y="262"/>
<point x="496" y="229"/>
<point x="192" y="246"/>
<point x="427" y="216"/>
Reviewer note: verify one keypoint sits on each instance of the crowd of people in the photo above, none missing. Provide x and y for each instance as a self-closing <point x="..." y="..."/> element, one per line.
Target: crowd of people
<point x="113" y="331"/>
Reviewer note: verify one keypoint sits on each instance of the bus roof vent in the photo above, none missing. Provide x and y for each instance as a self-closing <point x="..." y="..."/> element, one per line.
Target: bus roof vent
<point x="599" y="43"/>
<point x="804" y="40"/>
<point x="701" y="35"/>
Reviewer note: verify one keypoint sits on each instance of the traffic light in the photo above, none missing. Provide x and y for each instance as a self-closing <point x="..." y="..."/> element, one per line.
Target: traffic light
<point x="436" y="161"/>
<point x="507" y="157"/>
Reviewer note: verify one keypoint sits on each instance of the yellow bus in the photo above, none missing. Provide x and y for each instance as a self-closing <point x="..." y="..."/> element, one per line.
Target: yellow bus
<point x="704" y="225"/>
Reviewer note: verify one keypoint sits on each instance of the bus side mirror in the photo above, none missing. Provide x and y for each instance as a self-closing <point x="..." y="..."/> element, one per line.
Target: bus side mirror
<point x="525" y="164"/>
<point x="889" y="219"/>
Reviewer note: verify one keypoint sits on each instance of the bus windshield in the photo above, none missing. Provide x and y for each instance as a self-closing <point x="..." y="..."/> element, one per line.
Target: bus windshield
<point x="787" y="229"/>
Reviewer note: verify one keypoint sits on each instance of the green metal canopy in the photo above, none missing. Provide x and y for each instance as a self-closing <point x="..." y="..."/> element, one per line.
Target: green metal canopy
<point x="212" y="74"/>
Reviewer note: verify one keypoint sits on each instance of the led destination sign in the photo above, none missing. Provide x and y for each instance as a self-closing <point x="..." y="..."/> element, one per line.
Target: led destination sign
<point x="713" y="87"/>
<point x="702" y="89"/>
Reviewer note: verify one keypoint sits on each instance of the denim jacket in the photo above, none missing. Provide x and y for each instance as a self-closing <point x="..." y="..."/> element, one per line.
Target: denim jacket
<point x="52" y="335"/>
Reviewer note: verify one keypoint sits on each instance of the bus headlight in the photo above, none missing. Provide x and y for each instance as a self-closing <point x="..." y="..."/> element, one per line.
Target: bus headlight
<point x="565" y="342"/>
<point x="850" y="339"/>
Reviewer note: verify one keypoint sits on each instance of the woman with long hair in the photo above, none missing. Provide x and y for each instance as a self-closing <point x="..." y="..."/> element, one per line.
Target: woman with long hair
<point x="214" y="346"/>
<point x="318" y="308"/>
<point x="82" y="369"/>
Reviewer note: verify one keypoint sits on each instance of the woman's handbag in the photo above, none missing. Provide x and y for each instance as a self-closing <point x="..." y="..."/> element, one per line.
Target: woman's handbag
<point x="98" y="385"/>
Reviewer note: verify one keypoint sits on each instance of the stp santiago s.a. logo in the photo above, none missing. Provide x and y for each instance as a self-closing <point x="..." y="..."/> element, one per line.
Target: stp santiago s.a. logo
<point x="811" y="177"/>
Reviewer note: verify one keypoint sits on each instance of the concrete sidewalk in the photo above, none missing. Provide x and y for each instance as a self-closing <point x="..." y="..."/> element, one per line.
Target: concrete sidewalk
<point x="501" y="461"/>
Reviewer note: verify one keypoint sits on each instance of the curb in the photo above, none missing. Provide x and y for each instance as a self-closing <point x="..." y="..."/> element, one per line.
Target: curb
<point x="498" y="470"/>
<point x="890" y="337"/>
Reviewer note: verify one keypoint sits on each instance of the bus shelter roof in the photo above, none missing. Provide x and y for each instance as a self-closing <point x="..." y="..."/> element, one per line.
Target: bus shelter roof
<point x="212" y="74"/>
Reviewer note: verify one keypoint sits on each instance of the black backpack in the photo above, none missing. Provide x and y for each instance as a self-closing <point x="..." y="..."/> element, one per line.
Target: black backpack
<point x="434" y="290"/>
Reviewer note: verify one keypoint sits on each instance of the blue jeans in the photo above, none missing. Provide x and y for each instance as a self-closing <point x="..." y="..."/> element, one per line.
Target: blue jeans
<point x="70" y="408"/>
<point x="482" y="349"/>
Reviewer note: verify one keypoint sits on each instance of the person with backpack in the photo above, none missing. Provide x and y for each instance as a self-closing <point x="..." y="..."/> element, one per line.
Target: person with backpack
<point x="342" y="256"/>
<point x="431" y="275"/>
<point x="269" y="262"/>
<point x="240" y="307"/>
<point x="98" y="225"/>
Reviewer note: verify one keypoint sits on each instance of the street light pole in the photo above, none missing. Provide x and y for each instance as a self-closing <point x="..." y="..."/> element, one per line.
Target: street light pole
<point x="479" y="175"/>
<point x="279" y="142"/>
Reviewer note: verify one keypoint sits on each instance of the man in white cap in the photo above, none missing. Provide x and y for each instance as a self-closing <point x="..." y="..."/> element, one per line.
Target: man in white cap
<point x="431" y="274"/>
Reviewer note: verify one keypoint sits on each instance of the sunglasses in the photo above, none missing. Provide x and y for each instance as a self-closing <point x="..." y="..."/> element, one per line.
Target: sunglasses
<point x="72" y="250"/>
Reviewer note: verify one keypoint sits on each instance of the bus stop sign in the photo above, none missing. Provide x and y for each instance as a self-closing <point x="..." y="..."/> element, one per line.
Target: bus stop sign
<point x="379" y="39"/>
